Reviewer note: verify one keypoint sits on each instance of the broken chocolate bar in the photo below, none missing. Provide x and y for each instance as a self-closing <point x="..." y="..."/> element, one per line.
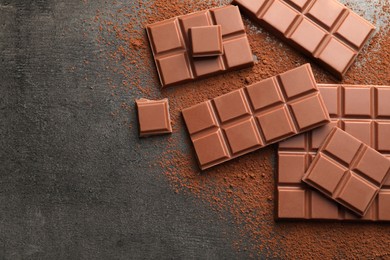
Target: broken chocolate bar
<point x="325" y="30"/>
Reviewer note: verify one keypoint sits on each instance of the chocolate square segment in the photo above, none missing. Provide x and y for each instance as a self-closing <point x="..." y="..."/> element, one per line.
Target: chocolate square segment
<point x="308" y="35"/>
<point x="165" y="36"/>
<point x="326" y="173"/>
<point x="297" y="81"/>
<point x="153" y="117"/>
<point x="211" y="148"/>
<point x="357" y="101"/>
<point x="280" y="16"/>
<point x="383" y="133"/>
<point x="326" y="12"/>
<point x="206" y="41"/>
<point x="317" y="115"/>
<point x="264" y="93"/>
<point x="357" y="194"/>
<point x="373" y="165"/>
<point x="360" y="130"/>
<point x="348" y="171"/>
<point x="243" y="136"/>
<point x="276" y="124"/>
<point x="330" y="96"/>
<point x="254" y="116"/>
<point x="230" y="20"/>
<point x="178" y="60"/>
<point x="237" y="53"/>
<point x="175" y="68"/>
<point x="349" y="146"/>
<point x="322" y="207"/>
<point x="355" y="29"/>
<point x="231" y="105"/>
<point x="291" y="203"/>
<point x="199" y="117"/>
<point x="384" y="205"/>
<point x="337" y="56"/>
<point x="291" y="166"/>
<point x="383" y="104"/>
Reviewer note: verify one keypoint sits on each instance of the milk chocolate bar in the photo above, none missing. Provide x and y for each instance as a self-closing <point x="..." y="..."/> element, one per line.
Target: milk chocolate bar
<point x="324" y="30"/>
<point x="364" y="112"/>
<point x="252" y="117"/>
<point x="171" y="47"/>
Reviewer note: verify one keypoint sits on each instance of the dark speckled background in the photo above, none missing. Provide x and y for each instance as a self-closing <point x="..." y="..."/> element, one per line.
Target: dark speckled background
<point x="71" y="184"/>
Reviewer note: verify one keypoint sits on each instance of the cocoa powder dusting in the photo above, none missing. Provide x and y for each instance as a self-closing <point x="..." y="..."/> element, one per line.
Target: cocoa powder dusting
<point x="242" y="188"/>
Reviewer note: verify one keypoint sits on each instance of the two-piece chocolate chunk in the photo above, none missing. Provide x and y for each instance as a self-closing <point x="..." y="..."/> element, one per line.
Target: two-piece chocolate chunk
<point x="324" y="30"/>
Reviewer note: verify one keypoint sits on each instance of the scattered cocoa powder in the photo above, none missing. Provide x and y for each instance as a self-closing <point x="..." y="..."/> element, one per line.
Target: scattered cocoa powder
<point x="244" y="187"/>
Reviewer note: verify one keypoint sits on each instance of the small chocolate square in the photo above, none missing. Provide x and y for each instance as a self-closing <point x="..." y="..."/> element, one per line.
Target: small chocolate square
<point x="153" y="117"/>
<point x="206" y="41"/>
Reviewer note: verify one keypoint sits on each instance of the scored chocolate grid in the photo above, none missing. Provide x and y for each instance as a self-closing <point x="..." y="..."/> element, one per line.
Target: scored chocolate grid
<point x="185" y="48"/>
<point x="252" y="116"/>
<point x="296" y="22"/>
<point x="308" y="152"/>
<point x="328" y="37"/>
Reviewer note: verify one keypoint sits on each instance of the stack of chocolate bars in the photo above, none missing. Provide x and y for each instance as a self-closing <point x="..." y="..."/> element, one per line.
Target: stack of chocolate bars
<point x="334" y="164"/>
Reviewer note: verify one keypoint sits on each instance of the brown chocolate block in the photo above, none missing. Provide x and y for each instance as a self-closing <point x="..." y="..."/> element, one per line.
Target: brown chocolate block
<point x="296" y="154"/>
<point x="153" y="117"/>
<point x="247" y="119"/>
<point x="206" y="41"/>
<point x="171" y="46"/>
<point x="348" y="171"/>
<point x="325" y="30"/>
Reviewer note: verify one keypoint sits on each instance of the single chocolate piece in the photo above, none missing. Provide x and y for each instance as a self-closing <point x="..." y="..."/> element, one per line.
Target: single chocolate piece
<point x="247" y="119"/>
<point x="153" y="117"/>
<point x="170" y="44"/>
<point x="295" y="199"/>
<point x="348" y="171"/>
<point x="325" y="30"/>
<point x="206" y="41"/>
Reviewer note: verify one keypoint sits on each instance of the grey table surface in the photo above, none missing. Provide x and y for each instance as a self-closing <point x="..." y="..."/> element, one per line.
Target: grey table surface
<point x="71" y="184"/>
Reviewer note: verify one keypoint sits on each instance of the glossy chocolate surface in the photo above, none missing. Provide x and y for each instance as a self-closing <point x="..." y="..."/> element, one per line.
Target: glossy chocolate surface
<point x="247" y="119"/>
